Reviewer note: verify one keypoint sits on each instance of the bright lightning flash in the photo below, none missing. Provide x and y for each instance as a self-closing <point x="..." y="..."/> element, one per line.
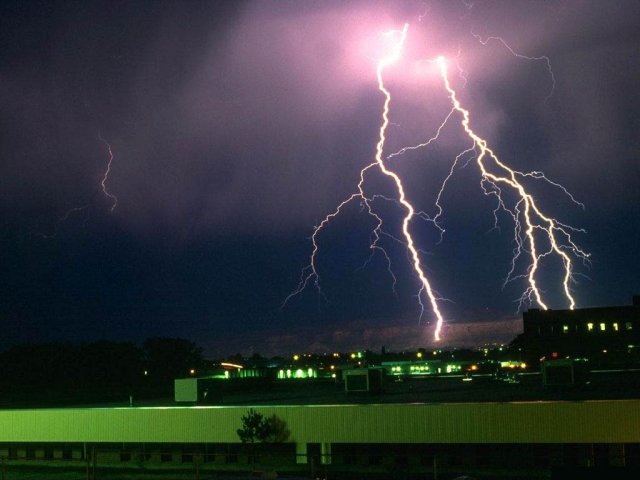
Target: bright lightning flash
<point x="496" y="174"/>
<point x="310" y="273"/>
<point x="426" y="286"/>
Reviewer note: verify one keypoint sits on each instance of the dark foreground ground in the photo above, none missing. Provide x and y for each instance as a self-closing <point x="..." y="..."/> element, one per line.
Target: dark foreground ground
<point x="601" y="385"/>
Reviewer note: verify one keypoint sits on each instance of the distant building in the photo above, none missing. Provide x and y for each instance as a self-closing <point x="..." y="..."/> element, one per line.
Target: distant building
<point x="587" y="332"/>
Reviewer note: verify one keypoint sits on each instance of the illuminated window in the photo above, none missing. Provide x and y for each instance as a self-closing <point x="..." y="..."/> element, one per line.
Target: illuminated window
<point x="628" y="325"/>
<point x="590" y="327"/>
<point x="615" y="326"/>
<point x="565" y="328"/>
<point x="603" y="327"/>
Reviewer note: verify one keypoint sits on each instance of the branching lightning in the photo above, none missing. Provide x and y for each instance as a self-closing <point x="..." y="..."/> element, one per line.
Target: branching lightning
<point x="541" y="58"/>
<point x="529" y="220"/>
<point x="310" y="273"/>
<point x="536" y="234"/>
<point x="425" y="284"/>
<point x="103" y="186"/>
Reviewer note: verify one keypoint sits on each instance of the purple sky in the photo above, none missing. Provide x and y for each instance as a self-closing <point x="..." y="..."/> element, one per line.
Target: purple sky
<point x="237" y="126"/>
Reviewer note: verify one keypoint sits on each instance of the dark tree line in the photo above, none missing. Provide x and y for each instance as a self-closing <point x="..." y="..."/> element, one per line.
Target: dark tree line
<point x="96" y="371"/>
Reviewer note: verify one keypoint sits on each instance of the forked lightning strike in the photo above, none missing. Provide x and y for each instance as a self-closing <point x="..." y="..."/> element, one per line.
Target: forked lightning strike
<point x="426" y="286"/>
<point x="310" y="272"/>
<point x="528" y="219"/>
<point x="535" y="221"/>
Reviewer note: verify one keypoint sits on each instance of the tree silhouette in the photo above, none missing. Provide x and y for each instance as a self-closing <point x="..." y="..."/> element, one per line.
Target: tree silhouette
<point x="258" y="429"/>
<point x="254" y="427"/>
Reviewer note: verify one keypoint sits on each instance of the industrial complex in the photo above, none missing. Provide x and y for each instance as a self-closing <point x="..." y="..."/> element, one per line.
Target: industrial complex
<point x="491" y="413"/>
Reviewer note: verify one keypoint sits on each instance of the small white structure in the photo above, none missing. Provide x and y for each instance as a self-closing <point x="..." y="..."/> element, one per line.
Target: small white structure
<point x="186" y="389"/>
<point x="564" y="371"/>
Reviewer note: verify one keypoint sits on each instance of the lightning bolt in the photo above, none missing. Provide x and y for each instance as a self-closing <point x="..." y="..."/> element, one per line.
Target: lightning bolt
<point x="310" y="273"/>
<point x="496" y="174"/>
<point x="103" y="185"/>
<point x="417" y="266"/>
<point x="105" y="177"/>
<point x="541" y="58"/>
<point x="532" y="227"/>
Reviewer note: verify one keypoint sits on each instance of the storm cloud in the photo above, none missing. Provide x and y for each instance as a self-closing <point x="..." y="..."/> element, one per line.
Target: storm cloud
<point x="244" y="123"/>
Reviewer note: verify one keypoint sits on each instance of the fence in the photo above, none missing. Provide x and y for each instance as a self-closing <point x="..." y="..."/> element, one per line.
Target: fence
<point x="100" y="464"/>
<point x="280" y="461"/>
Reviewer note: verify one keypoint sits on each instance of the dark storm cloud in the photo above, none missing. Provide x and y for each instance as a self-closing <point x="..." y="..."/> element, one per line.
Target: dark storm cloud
<point x="263" y="120"/>
<point x="350" y="336"/>
<point x="237" y="126"/>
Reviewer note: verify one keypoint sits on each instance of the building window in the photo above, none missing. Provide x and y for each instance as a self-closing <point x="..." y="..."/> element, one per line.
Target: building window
<point x="209" y="457"/>
<point x="125" y="456"/>
<point x="165" y="457"/>
<point x="590" y="327"/>
<point x="401" y="460"/>
<point x="615" y="326"/>
<point x="66" y="453"/>
<point x="565" y="328"/>
<point x="603" y="327"/>
<point x="628" y="325"/>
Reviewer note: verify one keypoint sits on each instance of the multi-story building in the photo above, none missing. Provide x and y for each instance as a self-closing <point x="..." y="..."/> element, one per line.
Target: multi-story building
<point x="587" y="332"/>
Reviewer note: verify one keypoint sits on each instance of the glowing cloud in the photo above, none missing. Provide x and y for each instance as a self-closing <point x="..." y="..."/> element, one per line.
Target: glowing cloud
<point x="310" y="272"/>
<point x="536" y="234"/>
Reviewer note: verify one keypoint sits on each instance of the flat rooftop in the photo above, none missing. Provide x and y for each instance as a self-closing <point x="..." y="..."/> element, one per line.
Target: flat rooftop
<point x="527" y="387"/>
<point x="606" y="385"/>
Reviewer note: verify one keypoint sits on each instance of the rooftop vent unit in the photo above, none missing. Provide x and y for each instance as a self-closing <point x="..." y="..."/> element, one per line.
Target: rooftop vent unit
<point x="565" y="371"/>
<point x="363" y="380"/>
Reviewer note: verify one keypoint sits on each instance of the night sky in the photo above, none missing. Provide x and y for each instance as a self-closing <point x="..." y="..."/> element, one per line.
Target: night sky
<point x="235" y="127"/>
